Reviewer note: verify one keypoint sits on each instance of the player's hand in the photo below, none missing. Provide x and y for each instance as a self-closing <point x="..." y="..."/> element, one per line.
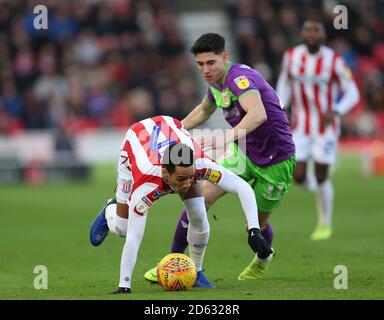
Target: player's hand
<point x="328" y="118"/>
<point x="258" y="244"/>
<point x="210" y="142"/>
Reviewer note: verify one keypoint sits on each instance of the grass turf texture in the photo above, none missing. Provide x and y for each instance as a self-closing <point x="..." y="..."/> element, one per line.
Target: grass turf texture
<point x="49" y="225"/>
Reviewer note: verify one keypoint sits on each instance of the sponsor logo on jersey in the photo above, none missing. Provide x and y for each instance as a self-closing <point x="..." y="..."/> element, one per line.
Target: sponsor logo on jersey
<point x="146" y="201"/>
<point x="310" y="79"/>
<point x="234" y="112"/>
<point x="143" y="206"/>
<point x="242" y="82"/>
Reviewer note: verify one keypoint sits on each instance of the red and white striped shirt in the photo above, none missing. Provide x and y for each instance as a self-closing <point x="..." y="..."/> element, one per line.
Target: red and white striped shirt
<point x="313" y="82"/>
<point x="141" y="152"/>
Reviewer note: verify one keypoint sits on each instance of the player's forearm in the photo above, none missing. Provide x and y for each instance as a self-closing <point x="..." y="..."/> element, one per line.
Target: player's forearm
<point x="255" y="115"/>
<point x="349" y="99"/>
<point x="249" y="123"/>
<point x="235" y="185"/>
<point x="196" y="117"/>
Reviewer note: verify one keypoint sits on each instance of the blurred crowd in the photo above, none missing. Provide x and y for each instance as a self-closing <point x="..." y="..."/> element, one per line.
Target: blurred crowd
<point x="99" y="64"/>
<point x="111" y="63"/>
<point x="264" y="29"/>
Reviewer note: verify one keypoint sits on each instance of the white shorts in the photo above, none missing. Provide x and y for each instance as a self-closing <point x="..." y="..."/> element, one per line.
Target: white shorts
<point x="319" y="148"/>
<point x="124" y="182"/>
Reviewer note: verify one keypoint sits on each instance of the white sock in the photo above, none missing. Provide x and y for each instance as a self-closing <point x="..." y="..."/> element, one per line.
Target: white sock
<point x="311" y="182"/>
<point x="197" y="243"/>
<point x="198" y="231"/>
<point x="267" y="259"/>
<point x="325" y="196"/>
<point x="197" y="213"/>
<point x="116" y="224"/>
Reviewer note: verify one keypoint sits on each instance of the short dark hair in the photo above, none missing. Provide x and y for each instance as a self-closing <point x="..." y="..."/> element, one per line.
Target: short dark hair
<point x="317" y="20"/>
<point x="177" y="155"/>
<point x="209" y="42"/>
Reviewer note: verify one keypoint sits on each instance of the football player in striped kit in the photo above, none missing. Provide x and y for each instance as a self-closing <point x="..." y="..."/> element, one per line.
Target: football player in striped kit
<point x="311" y="80"/>
<point x="159" y="157"/>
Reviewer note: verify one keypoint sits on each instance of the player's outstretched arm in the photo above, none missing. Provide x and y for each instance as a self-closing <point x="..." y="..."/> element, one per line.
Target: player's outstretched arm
<point x="199" y="115"/>
<point x="236" y="185"/>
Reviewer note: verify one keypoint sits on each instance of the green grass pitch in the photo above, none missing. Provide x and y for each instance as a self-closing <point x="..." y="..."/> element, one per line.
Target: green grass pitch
<point x="49" y="225"/>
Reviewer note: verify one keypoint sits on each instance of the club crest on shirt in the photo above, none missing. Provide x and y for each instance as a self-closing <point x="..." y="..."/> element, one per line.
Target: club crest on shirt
<point x="126" y="186"/>
<point x="225" y="97"/>
<point x="242" y="82"/>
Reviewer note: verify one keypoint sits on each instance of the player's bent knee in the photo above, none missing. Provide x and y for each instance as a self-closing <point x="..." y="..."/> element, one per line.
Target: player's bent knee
<point x="116" y="224"/>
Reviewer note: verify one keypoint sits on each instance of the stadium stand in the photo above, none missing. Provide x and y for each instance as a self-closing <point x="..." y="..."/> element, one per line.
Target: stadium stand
<point x="99" y="64"/>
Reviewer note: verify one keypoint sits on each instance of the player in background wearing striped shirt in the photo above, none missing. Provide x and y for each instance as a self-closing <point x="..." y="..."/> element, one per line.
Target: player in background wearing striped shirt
<point x="312" y="76"/>
<point x="159" y="157"/>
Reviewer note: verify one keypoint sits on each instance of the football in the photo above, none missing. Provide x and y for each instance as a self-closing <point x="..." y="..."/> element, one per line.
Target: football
<point x="176" y="271"/>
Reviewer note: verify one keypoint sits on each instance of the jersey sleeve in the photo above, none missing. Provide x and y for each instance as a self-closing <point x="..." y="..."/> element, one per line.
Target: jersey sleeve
<point x="348" y="87"/>
<point x="283" y="86"/>
<point x="209" y="96"/>
<point x="228" y="181"/>
<point x="143" y="196"/>
<point x="244" y="81"/>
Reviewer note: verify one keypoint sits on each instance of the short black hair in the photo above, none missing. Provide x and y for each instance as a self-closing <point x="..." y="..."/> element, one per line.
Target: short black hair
<point x="209" y="42"/>
<point x="178" y="154"/>
<point x="317" y="20"/>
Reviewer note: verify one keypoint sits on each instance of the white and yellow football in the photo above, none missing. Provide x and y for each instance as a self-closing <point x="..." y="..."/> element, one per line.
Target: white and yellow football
<point x="176" y="271"/>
